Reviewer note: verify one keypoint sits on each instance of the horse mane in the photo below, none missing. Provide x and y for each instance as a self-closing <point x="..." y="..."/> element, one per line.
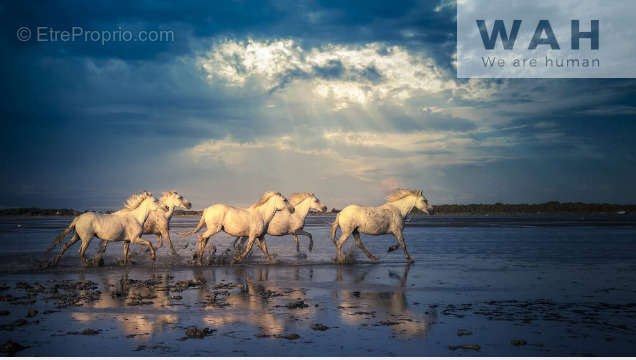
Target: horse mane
<point x="167" y="194"/>
<point x="297" y="198"/>
<point x="266" y="196"/>
<point x="135" y="200"/>
<point x="402" y="193"/>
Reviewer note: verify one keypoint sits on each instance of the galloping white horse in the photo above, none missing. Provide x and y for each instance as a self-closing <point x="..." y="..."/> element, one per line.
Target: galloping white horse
<point x="158" y="222"/>
<point x="287" y="223"/>
<point x="385" y="219"/>
<point x="251" y="222"/>
<point x="124" y="225"/>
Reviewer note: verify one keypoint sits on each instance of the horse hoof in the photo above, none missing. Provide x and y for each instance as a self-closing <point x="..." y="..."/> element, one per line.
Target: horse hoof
<point x="410" y="261"/>
<point x="98" y="262"/>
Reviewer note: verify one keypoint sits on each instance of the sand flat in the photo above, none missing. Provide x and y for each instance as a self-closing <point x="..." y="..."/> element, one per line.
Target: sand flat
<point x="497" y="290"/>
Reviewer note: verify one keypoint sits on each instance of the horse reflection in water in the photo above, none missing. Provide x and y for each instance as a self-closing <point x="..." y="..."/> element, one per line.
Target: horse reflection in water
<point x="355" y="305"/>
<point x="262" y="306"/>
<point x="120" y="293"/>
<point x="257" y="299"/>
<point x="253" y="304"/>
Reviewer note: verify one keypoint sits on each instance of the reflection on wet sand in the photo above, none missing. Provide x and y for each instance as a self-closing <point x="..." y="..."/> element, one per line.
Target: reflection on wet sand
<point x="394" y="303"/>
<point x="262" y="306"/>
<point x="125" y="292"/>
<point x="255" y="297"/>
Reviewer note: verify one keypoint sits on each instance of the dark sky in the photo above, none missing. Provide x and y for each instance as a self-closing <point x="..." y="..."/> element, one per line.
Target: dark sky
<point x="347" y="99"/>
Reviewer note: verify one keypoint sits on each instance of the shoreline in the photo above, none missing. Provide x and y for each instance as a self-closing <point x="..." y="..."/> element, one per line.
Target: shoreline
<point x="501" y="213"/>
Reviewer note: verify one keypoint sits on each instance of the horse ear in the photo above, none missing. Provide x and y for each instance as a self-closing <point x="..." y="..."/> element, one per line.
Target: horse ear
<point x="419" y="192"/>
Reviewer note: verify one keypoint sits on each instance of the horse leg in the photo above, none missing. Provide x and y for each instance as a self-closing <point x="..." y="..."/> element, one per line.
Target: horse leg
<point x="345" y="235"/>
<point x="311" y="240"/>
<point x="247" y="250"/>
<point x="297" y="244"/>
<point x="139" y="240"/>
<point x="126" y="249"/>
<point x="159" y="241"/>
<point x="356" y="236"/>
<point x="102" y="248"/>
<point x="263" y="245"/>
<point x="393" y="248"/>
<point x="239" y="242"/>
<point x="67" y="244"/>
<point x="400" y="239"/>
<point x="82" y="250"/>
<point x="166" y="235"/>
<point x="203" y="241"/>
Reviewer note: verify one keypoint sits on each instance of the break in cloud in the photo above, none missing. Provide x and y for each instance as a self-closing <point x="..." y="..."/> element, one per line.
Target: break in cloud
<point x="344" y="100"/>
<point x="368" y="111"/>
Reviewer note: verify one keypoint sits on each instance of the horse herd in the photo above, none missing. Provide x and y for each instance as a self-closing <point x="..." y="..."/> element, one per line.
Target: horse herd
<point x="273" y="215"/>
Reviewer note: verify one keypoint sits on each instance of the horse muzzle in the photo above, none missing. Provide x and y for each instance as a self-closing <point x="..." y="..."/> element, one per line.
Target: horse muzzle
<point x="188" y="205"/>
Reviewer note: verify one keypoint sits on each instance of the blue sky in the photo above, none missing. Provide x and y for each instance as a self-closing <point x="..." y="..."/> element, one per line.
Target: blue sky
<point x="344" y="99"/>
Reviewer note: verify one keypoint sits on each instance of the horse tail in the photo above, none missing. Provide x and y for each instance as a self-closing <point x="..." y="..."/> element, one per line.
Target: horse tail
<point x="59" y="238"/>
<point x="199" y="226"/>
<point x="334" y="228"/>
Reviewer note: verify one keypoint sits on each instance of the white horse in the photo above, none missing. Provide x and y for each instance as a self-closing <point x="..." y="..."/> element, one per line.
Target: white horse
<point x="124" y="225"/>
<point x="158" y="222"/>
<point x="251" y="222"/>
<point x="288" y="223"/>
<point x="385" y="219"/>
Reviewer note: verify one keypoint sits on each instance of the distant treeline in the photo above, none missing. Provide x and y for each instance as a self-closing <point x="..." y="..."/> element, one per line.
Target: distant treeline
<point x="38" y="212"/>
<point x="68" y="212"/>
<point x="552" y="207"/>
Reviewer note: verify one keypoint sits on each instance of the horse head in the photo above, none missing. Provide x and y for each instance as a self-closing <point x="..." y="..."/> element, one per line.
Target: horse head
<point x="281" y="203"/>
<point x="172" y="198"/>
<point x="421" y="202"/>
<point x="297" y="198"/>
<point x="316" y="204"/>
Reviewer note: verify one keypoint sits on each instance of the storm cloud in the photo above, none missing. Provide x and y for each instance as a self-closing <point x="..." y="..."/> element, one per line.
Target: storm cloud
<point x="343" y="99"/>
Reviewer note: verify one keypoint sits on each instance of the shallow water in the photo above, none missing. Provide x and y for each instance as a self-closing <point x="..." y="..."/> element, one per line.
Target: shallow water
<point x="564" y="285"/>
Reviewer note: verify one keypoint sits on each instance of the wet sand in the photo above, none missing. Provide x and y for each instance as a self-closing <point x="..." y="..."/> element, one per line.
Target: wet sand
<point x="464" y="296"/>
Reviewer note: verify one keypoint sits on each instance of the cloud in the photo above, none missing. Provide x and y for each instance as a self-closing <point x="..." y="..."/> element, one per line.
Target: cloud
<point x="358" y="74"/>
<point x="342" y="98"/>
<point x="367" y="156"/>
<point x="615" y="110"/>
